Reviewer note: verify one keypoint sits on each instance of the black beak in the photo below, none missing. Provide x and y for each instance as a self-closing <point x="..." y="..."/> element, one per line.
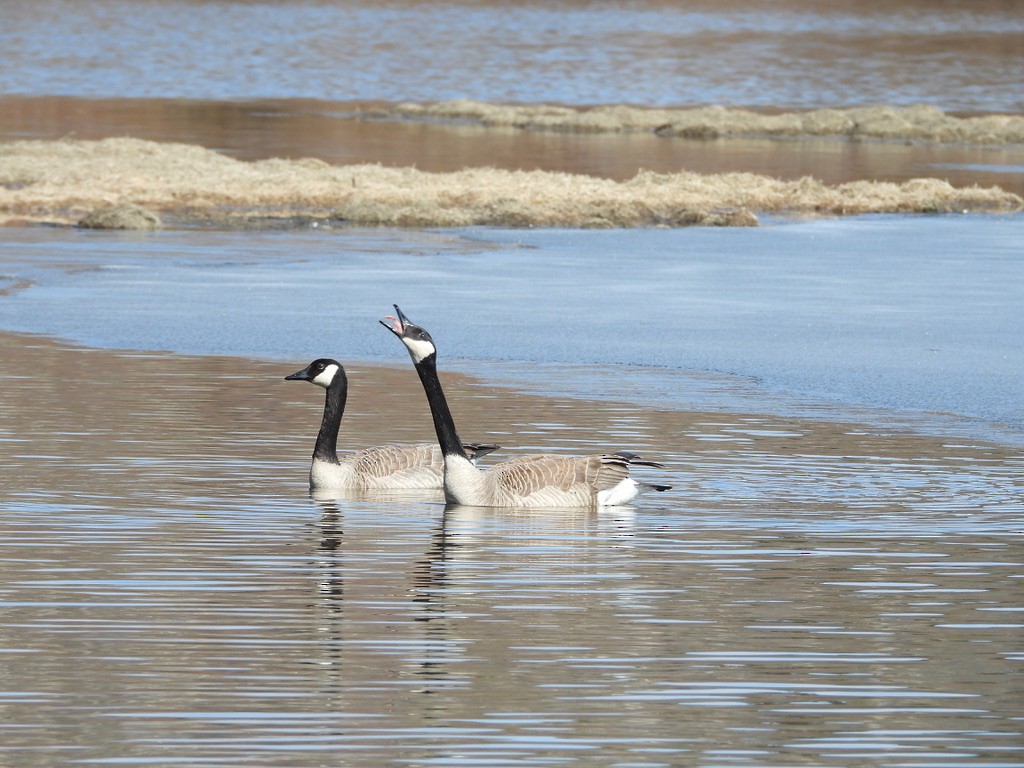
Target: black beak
<point x="302" y="375"/>
<point x="398" y="324"/>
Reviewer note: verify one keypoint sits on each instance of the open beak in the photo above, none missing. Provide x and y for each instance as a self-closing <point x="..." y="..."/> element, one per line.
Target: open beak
<point x="396" y="324"/>
<point x="302" y="375"/>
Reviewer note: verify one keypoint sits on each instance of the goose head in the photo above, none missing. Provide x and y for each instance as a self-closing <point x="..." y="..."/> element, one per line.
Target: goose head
<point x="415" y="338"/>
<point x="321" y="372"/>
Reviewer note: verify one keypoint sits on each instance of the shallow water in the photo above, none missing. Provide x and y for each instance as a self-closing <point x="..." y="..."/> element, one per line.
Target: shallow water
<point x="815" y="589"/>
<point x="809" y="593"/>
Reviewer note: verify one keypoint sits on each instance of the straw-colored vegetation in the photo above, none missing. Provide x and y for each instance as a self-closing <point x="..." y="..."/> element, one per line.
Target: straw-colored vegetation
<point x="120" y="217"/>
<point x="68" y="181"/>
<point x="917" y="123"/>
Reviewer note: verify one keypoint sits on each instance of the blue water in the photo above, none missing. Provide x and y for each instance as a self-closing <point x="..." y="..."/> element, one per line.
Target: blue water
<point x="956" y="56"/>
<point x="915" y="316"/>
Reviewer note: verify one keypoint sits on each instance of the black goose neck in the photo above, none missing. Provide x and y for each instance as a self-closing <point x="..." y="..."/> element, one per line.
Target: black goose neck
<point x="444" y="423"/>
<point x="334" y="408"/>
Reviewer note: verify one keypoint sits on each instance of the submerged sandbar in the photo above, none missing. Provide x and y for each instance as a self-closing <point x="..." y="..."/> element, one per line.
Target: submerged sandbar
<point x="66" y="181"/>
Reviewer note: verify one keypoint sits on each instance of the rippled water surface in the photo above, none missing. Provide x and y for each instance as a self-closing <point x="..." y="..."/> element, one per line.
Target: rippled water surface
<point x="835" y="578"/>
<point x="816" y="588"/>
<point x="811" y="593"/>
<point x="965" y="56"/>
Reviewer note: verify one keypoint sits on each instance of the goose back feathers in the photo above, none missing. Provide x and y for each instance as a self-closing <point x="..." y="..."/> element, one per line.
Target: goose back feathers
<point x="547" y="480"/>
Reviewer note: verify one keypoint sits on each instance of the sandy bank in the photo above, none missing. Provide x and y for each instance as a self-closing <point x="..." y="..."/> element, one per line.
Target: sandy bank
<point x="66" y="181"/>
<point x="921" y="122"/>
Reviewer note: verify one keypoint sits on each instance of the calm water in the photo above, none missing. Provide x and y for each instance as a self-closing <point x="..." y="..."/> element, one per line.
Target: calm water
<point x="790" y="318"/>
<point x="960" y="56"/>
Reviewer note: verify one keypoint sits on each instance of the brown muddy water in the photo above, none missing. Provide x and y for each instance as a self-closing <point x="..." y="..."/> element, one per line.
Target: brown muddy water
<point x="810" y="593"/>
<point x="336" y="134"/>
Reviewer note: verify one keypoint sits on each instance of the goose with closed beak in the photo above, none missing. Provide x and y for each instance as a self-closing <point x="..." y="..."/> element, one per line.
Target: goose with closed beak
<point x="535" y="482"/>
<point x="385" y="467"/>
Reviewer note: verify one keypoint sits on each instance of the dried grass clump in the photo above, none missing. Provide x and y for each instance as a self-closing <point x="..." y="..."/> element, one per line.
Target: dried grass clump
<point x="63" y="181"/>
<point x="120" y="217"/>
<point x="916" y="123"/>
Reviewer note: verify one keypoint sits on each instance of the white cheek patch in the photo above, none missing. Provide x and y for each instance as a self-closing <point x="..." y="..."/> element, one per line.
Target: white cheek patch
<point x="419" y="348"/>
<point x="324" y="379"/>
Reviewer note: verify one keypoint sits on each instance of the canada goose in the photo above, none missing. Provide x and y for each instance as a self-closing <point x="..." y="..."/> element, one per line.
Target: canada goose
<point x="530" y="481"/>
<point x="385" y="467"/>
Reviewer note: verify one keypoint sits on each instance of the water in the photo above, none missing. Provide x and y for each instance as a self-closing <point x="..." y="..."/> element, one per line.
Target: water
<point x="793" y="54"/>
<point x="835" y="577"/>
<point x="791" y="318"/>
<point x="810" y="592"/>
<point x="816" y="588"/>
<point x="257" y="80"/>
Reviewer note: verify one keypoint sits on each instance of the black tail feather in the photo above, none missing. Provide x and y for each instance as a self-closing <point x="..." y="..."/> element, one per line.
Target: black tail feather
<point x="476" y="450"/>
<point x="634" y="459"/>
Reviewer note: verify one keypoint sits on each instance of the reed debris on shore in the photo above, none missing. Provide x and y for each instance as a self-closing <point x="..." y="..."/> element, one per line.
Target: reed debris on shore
<point x="921" y="122"/>
<point x="62" y="182"/>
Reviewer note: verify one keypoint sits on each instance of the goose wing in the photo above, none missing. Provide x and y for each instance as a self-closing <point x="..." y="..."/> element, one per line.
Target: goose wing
<point x="614" y="468"/>
<point x="386" y="460"/>
<point x="527" y="475"/>
<point x="564" y="478"/>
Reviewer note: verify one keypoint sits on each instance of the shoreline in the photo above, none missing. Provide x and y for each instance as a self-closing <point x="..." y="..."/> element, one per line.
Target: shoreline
<point x="919" y="122"/>
<point x="127" y="183"/>
<point x="506" y="408"/>
<point x="285" y="163"/>
<point x="788" y="340"/>
<point x="39" y="116"/>
<point x="638" y="389"/>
